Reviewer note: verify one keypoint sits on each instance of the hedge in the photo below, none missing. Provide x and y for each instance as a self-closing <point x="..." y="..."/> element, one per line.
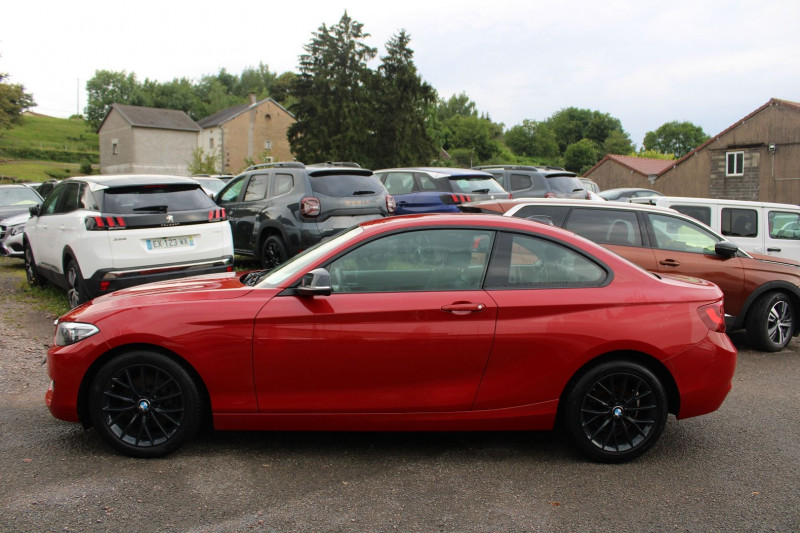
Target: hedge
<point x="62" y="156"/>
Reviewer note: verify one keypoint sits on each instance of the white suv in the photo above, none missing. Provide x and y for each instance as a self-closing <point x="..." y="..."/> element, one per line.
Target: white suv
<point x="96" y="234"/>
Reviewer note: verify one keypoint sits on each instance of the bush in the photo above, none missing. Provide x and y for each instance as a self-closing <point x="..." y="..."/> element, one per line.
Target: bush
<point x="86" y="168"/>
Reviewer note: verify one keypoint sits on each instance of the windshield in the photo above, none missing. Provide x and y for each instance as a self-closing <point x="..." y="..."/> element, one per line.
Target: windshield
<point x="565" y="183"/>
<point x="475" y="185"/>
<point x="303" y="262"/>
<point x="21" y="196"/>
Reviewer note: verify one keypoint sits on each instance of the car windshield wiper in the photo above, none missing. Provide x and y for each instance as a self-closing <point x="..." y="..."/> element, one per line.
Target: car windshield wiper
<point x="252" y="278"/>
<point x="152" y="208"/>
<point x="361" y="193"/>
<point x="481" y="191"/>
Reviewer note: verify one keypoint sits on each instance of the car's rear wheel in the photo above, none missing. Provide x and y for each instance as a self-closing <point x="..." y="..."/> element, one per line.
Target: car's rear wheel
<point x="616" y="411"/>
<point x="76" y="289"/>
<point x="273" y="252"/>
<point x="771" y="322"/>
<point x="145" y="404"/>
<point x="31" y="270"/>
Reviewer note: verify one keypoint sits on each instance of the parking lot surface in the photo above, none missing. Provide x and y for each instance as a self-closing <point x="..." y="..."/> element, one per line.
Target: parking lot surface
<point x="737" y="469"/>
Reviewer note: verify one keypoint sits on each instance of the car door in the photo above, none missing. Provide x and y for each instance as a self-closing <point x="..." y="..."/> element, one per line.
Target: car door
<point x="783" y="233"/>
<point x="406" y="328"/>
<point x="243" y="199"/>
<point x="54" y="227"/>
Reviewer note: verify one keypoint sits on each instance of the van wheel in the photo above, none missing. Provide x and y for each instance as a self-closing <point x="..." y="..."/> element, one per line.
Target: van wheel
<point x="76" y="290"/>
<point x="771" y="323"/>
<point x="273" y="252"/>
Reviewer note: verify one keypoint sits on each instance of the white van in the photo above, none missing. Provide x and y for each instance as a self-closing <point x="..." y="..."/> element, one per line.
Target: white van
<point x="760" y="227"/>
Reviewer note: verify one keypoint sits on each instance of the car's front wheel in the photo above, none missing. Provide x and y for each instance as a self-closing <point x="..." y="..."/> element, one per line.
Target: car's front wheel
<point x="616" y="411"/>
<point x="76" y="289"/>
<point x="273" y="252"/>
<point x="771" y="322"/>
<point x="145" y="404"/>
<point x="31" y="270"/>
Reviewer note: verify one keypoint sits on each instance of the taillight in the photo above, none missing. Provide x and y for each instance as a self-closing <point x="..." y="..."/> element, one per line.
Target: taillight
<point x="104" y="222"/>
<point x="550" y="195"/>
<point x="391" y="205"/>
<point x="217" y="215"/>
<point x="454" y="199"/>
<point x="713" y="316"/>
<point x="309" y="206"/>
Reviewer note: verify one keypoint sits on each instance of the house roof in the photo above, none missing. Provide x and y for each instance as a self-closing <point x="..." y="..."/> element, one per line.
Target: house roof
<point x="152" y="117"/>
<point x="221" y="117"/>
<point x="641" y="165"/>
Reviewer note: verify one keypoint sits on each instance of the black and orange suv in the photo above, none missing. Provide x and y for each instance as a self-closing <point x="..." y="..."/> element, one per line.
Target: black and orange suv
<point x="762" y="293"/>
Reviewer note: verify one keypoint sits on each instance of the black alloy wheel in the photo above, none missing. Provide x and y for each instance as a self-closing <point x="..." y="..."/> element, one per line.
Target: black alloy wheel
<point x="145" y="404"/>
<point x="273" y="252"/>
<point x="616" y="411"/>
<point x="31" y="271"/>
<point x="771" y="322"/>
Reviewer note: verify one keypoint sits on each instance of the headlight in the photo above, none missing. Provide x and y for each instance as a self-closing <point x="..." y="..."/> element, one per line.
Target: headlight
<point x="71" y="332"/>
<point x="15" y="230"/>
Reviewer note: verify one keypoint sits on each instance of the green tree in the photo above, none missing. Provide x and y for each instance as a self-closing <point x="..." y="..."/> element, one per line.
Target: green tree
<point x="572" y="125"/>
<point x="457" y="105"/>
<point x="403" y="99"/>
<point x="479" y="135"/>
<point x="203" y="163"/>
<point x="13" y="102"/>
<point x="580" y="156"/>
<point x="334" y="108"/>
<point x="282" y="88"/>
<point x="678" y="138"/>
<point x="617" y="142"/>
<point x="106" y="88"/>
<point x="532" y="139"/>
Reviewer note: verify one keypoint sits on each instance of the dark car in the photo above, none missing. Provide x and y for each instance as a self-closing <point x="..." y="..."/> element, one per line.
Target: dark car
<point x="762" y="293"/>
<point x="537" y="182"/>
<point x="626" y="193"/>
<point x="417" y="323"/>
<point x="437" y="190"/>
<point x="277" y="210"/>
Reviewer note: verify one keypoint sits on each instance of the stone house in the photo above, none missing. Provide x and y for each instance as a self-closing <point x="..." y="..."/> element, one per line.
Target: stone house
<point x="254" y="132"/>
<point x="618" y="171"/>
<point x="146" y="140"/>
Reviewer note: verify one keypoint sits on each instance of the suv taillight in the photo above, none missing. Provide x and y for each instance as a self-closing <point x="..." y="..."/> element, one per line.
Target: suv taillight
<point x="713" y="316"/>
<point x="455" y="199"/>
<point x="104" y="222"/>
<point x="309" y="206"/>
<point x="391" y="205"/>
<point x="217" y="215"/>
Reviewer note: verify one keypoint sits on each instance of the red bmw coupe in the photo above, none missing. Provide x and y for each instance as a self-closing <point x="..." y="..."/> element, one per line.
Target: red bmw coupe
<point x="418" y="323"/>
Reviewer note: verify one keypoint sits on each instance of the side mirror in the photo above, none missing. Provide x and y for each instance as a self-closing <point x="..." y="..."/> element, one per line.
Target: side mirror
<point x="34" y="210"/>
<point x="726" y="248"/>
<point x="315" y="283"/>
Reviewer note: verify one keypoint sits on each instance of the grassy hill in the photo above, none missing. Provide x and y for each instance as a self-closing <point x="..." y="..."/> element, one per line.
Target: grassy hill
<point x="44" y="147"/>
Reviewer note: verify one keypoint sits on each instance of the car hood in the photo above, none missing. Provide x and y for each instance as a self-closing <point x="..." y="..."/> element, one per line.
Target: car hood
<point x="774" y="259"/>
<point x="15" y="219"/>
<point x="11" y="210"/>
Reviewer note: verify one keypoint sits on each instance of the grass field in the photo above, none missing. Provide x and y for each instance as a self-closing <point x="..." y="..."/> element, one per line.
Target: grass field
<point x="46" y="298"/>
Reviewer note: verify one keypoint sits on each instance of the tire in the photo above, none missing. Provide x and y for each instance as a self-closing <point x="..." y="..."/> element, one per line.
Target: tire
<point x="616" y="411"/>
<point x="76" y="289"/>
<point x="273" y="252"/>
<point x="771" y="322"/>
<point x="31" y="270"/>
<point x="145" y="404"/>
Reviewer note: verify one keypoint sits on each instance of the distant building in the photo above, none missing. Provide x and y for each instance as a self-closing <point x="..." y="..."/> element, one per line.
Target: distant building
<point x="146" y="140"/>
<point x="622" y="171"/>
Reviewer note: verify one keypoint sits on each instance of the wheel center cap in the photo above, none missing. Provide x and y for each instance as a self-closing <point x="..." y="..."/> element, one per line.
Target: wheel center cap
<point x="144" y="406"/>
<point x="617" y="412"/>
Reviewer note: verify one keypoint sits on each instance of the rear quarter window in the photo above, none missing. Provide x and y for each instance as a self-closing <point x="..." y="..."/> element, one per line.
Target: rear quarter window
<point x="697" y="212"/>
<point x="159" y="198"/>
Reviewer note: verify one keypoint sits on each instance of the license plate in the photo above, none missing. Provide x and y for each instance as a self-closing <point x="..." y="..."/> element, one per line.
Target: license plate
<point x="170" y="242"/>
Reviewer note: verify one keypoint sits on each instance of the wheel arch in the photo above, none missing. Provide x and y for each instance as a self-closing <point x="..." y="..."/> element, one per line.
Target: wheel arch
<point x="94" y="368"/>
<point x="792" y="291"/>
<point x="651" y="363"/>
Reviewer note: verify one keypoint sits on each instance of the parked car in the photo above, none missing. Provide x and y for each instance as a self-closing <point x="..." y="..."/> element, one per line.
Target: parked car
<point x="12" y="230"/>
<point x="537" y="182"/>
<point x="437" y="190"/>
<point x="625" y="194"/>
<point x="762" y="293"/>
<point x="279" y="209"/>
<point x="590" y="185"/>
<point x="17" y="199"/>
<point x="426" y="322"/>
<point x="212" y="186"/>
<point x="761" y="227"/>
<point x="96" y="234"/>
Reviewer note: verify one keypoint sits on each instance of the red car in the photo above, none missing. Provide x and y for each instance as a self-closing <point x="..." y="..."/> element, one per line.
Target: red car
<point x="418" y="323"/>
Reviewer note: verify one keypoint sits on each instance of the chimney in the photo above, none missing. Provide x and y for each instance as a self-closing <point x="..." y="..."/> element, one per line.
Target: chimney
<point x="252" y="98"/>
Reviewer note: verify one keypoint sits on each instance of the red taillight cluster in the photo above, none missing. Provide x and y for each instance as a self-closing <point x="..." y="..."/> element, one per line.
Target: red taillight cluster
<point x="455" y="199"/>
<point x="217" y="215"/>
<point x="309" y="206"/>
<point x="104" y="222"/>
<point x="713" y="316"/>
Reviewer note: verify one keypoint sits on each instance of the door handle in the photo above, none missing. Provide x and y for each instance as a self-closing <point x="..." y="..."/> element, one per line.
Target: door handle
<point x="670" y="262"/>
<point x="773" y="250"/>
<point x="463" y="308"/>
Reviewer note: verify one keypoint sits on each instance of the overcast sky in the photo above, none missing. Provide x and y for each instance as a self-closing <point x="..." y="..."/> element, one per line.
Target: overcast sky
<point x="643" y="62"/>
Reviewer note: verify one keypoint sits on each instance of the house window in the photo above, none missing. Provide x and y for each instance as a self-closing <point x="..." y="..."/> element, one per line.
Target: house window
<point x="114" y="147"/>
<point x="267" y="145"/>
<point x="734" y="163"/>
<point x="211" y="143"/>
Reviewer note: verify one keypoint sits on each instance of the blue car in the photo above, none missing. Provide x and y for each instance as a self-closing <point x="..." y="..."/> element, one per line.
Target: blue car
<point x="438" y="190"/>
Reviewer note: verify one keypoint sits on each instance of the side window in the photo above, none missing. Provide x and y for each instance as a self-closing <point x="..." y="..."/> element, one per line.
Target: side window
<point x="87" y="200"/>
<point x="283" y="183"/>
<point x="698" y="212"/>
<point x="49" y="205"/>
<point x="680" y="235"/>
<point x="427" y="183"/>
<point x="540" y="186"/>
<point x="520" y="181"/>
<point x="69" y="200"/>
<point x="784" y="225"/>
<point x="425" y="260"/>
<point x="556" y="214"/>
<point x="734" y="163"/>
<point x="231" y="193"/>
<point x="399" y="182"/>
<point x="606" y="226"/>
<point x="256" y="188"/>
<point x="526" y="262"/>
<point x="739" y="222"/>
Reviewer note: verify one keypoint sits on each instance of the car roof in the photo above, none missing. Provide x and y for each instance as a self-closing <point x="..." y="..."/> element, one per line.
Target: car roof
<point x="712" y="201"/>
<point x="510" y="203"/>
<point x="124" y="180"/>
<point x="440" y="172"/>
